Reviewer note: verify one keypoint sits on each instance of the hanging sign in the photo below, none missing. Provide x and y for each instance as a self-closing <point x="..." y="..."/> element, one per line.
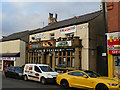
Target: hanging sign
<point x="63" y="44"/>
<point x="48" y="44"/>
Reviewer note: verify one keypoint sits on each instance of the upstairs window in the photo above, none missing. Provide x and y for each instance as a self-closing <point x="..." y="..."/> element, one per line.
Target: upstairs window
<point x="70" y="35"/>
<point x="52" y="36"/>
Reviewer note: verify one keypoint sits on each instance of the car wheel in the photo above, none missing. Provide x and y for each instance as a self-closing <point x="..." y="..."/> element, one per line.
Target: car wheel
<point x="101" y="87"/>
<point x="64" y="84"/>
<point x="43" y="80"/>
<point x="25" y="78"/>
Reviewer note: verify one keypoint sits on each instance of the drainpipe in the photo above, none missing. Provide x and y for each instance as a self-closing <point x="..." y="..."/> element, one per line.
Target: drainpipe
<point x="104" y="10"/>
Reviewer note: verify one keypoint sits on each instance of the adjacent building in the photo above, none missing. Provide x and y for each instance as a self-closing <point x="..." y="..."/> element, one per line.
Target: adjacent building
<point x="113" y="39"/>
<point x="75" y="43"/>
<point x="14" y="49"/>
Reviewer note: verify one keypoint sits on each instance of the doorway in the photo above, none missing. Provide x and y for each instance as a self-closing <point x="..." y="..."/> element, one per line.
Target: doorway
<point x="117" y="67"/>
<point x="48" y="58"/>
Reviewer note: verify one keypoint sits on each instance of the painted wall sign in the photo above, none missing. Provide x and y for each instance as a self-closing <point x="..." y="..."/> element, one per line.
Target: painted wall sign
<point x="113" y="43"/>
<point x="84" y="26"/>
<point x="48" y="44"/>
<point x="63" y="43"/>
<point x="68" y="30"/>
<point x="8" y="58"/>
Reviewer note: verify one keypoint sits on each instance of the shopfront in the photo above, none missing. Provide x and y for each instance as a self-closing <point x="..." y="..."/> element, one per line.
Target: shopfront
<point x="6" y="62"/>
<point x="113" y="44"/>
<point x="60" y="55"/>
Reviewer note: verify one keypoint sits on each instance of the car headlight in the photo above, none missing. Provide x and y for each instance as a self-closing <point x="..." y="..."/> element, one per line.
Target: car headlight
<point x="112" y="84"/>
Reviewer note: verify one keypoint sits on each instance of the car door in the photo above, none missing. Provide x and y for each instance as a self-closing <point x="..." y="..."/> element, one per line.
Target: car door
<point x="9" y="71"/>
<point x="37" y="73"/>
<point x="77" y="80"/>
<point x="12" y="71"/>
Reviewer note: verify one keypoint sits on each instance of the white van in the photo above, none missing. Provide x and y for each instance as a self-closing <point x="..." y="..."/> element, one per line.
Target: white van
<point x="39" y="72"/>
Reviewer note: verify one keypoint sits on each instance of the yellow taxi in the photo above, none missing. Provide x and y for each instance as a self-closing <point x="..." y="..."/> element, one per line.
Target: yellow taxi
<point x="87" y="80"/>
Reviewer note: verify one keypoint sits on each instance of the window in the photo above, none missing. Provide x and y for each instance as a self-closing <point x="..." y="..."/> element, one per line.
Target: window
<point x="117" y="60"/>
<point x="60" y="60"/>
<point x="92" y="74"/>
<point x="60" y="53"/>
<point x="56" y="61"/>
<point x="9" y="69"/>
<point x="30" y="68"/>
<point x="37" y="69"/>
<point x="39" y="59"/>
<point x="12" y="69"/>
<point x="68" y="62"/>
<point x="34" y="57"/>
<point x="18" y="69"/>
<point x="46" y="69"/>
<point x="52" y="36"/>
<point x="71" y="35"/>
<point x="64" y="53"/>
<point x="68" y="53"/>
<point x="65" y="58"/>
<point x="56" y="53"/>
<point x="77" y="74"/>
<point x="73" y="62"/>
<point x="73" y="53"/>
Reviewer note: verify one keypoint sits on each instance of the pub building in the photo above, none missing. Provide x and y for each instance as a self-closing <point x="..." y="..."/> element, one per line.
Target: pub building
<point x="70" y="44"/>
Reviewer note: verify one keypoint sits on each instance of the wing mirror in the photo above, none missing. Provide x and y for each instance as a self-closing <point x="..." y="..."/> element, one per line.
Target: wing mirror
<point x="85" y="76"/>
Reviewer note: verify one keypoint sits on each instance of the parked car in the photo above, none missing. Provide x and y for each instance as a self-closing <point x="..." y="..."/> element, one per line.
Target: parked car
<point x="39" y="72"/>
<point x="87" y="80"/>
<point x="15" y="72"/>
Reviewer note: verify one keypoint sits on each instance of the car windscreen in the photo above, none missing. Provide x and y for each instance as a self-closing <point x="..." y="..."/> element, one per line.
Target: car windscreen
<point x="92" y="74"/>
<point x="18" y="69"/>
<point x="46" y="69"/>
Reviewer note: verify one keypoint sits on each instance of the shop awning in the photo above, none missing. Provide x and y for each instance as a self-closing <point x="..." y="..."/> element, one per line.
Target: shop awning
<point x="9" y="54"/>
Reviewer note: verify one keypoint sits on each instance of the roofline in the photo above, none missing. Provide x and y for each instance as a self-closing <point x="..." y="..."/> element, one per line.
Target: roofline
<point x="13" y="40"/>
<point x="45" y="30"/>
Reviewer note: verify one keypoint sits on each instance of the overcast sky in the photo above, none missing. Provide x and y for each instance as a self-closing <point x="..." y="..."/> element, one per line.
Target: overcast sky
<point x="20" y="16"/>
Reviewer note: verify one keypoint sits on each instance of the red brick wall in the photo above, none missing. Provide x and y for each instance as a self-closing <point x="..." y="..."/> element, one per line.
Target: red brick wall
<point x="119" y="16"/>
<point x="113" y="12"/>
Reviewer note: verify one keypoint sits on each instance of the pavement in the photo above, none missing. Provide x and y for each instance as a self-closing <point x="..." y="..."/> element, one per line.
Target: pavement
<point x="1" y="80"/>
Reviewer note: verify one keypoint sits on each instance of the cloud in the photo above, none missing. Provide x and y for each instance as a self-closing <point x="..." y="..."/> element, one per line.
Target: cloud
<point x="18" y="16"/>
<point x="54" y="0"/>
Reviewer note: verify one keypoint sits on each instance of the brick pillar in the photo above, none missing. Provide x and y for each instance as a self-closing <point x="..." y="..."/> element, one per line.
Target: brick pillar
<point x="47" y="59"/>
<point x="53" y="60"/>
<point x="77" y="60"/>
<point x="42" y="57"/>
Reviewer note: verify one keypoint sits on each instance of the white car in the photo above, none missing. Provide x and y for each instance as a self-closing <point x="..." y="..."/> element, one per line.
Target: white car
<point x="39" y="72"/>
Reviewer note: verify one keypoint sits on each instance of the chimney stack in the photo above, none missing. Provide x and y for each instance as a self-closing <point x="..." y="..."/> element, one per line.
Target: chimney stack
<point x="52" y="19"/>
